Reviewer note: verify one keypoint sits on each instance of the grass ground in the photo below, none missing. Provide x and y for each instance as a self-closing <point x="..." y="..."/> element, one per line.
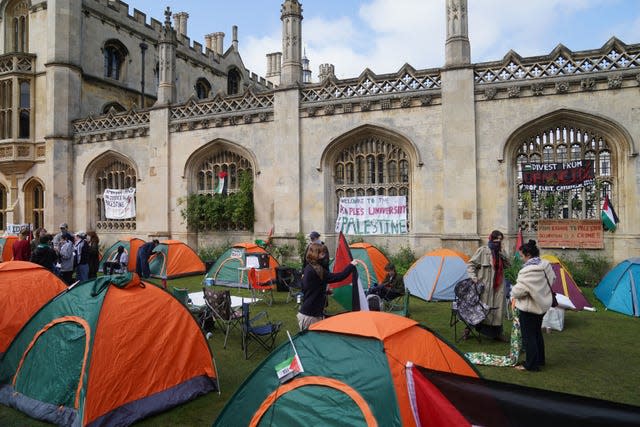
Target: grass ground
<point x="596" y="355"/>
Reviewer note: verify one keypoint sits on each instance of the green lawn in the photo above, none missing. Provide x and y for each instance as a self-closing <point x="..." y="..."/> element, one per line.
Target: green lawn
<point x="596" y="355"/>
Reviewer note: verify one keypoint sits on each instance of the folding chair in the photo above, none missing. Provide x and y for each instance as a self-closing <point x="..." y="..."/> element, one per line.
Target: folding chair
<point x="264" y="288"/>
<point x="220" y="311"/>
<point x="468" y="308"/>
<point x="259" y="329"/>
<point x="399" y="305"/>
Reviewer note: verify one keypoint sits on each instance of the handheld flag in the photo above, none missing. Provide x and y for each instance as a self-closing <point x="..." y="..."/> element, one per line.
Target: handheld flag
<point x="608" y="215"/>
<point x="290" y="367"/>
<point x="350" y="297"/>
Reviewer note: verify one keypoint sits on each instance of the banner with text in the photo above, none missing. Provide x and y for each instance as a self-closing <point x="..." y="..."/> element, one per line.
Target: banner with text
<point x="558" y="176"/>
<point x="570" y="233"/>
<point x="119" y="204"/>
<point x="372" y="215"/>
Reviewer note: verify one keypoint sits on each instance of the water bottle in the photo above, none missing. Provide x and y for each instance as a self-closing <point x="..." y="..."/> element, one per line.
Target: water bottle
<point x="299" y="298"/>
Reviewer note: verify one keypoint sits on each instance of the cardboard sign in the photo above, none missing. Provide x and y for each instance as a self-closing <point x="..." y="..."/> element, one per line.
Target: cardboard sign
<point x="570" y="233"/>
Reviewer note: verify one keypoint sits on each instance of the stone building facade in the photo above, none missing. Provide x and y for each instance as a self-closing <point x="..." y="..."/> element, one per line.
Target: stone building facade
<point x="451" y="139"/>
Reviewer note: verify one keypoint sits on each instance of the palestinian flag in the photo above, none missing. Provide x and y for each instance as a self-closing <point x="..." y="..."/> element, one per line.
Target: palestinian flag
<point x="608" y="215"/>
<point x="221" y="187"/>
<point x="348" y="293"/>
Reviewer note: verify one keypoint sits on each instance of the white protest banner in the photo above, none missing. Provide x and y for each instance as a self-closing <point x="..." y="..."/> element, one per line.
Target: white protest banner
<point x="372" y="215"/>
<point x="119" y="204"/>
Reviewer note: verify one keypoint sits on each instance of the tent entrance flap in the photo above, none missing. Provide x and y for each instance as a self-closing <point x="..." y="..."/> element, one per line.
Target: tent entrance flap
<point x="58" y="384"/>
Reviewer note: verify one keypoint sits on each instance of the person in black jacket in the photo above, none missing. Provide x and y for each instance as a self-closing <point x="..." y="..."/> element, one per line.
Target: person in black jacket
<point x="44" y="254"/>
<point x="315" y="279"/>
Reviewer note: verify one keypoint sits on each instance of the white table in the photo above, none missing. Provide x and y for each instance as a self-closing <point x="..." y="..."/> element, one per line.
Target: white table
<point x="197" y="299"/>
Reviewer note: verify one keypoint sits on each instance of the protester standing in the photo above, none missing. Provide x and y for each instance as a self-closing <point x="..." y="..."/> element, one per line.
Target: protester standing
<point x="44" y="254"/>
<point x="81" y="256"/>
<point x="315" y="279"/>
<point x="22" y="246"/>
<point x="487" y="266"/>
<point x="532" y="296"/>
<point x="142" y="259"/>
<point x="93" y="255"/>
<point x="66" y="258"/>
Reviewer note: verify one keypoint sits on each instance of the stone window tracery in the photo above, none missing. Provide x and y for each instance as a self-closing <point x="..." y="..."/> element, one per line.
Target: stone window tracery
<point x="556" y="144"/>
<point x="224" y="160"/>
<point x="114" y="59"/>
<point x="24" y="113"/>
<point x="17" y="32"/>
<point x="115" y="174"/>
<point x="6" y="104"/>
<point x="34" y="203"/>
<point x="203" y="88"/>
<point x="371" y="166"/>
<point x="233" y="82"/>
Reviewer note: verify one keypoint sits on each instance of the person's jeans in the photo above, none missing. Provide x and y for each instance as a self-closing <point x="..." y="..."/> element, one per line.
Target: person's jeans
<point x="82" y="272"/>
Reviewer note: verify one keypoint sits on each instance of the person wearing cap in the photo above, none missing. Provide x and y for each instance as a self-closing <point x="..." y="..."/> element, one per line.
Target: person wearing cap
<point x="66" y="258"/>
<point x="81" y="256"/>
<point x="314" y="237"/>
<point x="64" y="228"/>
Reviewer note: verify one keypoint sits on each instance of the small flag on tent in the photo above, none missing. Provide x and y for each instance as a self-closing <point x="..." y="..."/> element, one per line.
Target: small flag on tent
<point x="608" y="215"/>
<point x="290" y="367"/>
<point x="519" y="243"/>
<point x="221" y="188"/>
<point x="350" y="297"/>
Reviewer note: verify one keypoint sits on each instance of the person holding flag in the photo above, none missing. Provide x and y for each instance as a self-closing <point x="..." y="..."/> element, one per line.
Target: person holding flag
<point x="315" y="280"/>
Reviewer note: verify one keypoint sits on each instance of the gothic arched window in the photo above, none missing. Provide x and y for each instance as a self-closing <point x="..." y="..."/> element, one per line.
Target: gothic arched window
<point x="371" y="166"/>
<point x="224" y="160"/>
<point x="233" y="82"/>
<point x="114" y="59"/>
<point x="17" y="33"/>
<point x="113" y="174"/>
<point x="34" y="203"/>
<point x="203" y="88"/>
<point x="557" y="144"/>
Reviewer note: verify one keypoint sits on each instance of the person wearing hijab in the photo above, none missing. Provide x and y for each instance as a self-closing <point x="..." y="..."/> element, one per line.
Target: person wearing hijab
<point x="487" y="266"/>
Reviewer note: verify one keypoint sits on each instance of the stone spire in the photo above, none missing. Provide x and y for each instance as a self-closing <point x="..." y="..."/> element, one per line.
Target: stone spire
<point x="457" y="48"/>
<point x="167" y="62"/>
<point x="291" y="17"/>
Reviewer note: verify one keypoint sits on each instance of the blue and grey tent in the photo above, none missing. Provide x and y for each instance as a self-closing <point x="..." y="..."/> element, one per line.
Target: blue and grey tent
<point x="618" y="289"/>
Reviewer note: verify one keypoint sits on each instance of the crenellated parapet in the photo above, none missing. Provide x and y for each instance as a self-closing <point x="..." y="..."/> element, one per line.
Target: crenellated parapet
<point x="613" y="66"/>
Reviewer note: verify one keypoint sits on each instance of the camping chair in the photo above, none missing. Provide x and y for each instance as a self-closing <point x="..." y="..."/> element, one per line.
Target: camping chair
<point x="468" y="308"/>
<point x="264" y="288"/>
<point x="264" y="332"/>
<point x="219" y="310"/>
<point x="399" y="305"/>
<point x="182" y="295"/>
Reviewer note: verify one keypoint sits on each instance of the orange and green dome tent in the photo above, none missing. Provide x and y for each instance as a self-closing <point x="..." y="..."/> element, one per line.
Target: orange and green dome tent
<point x="371" y="263"/>
<point x="354" y="374"/>
<point x="6" y="247"/>
<point x="130" y="245"/>
<point x="96" y="355"/>
<point x="173" y="258"/>
<point x="24" y="288"/>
